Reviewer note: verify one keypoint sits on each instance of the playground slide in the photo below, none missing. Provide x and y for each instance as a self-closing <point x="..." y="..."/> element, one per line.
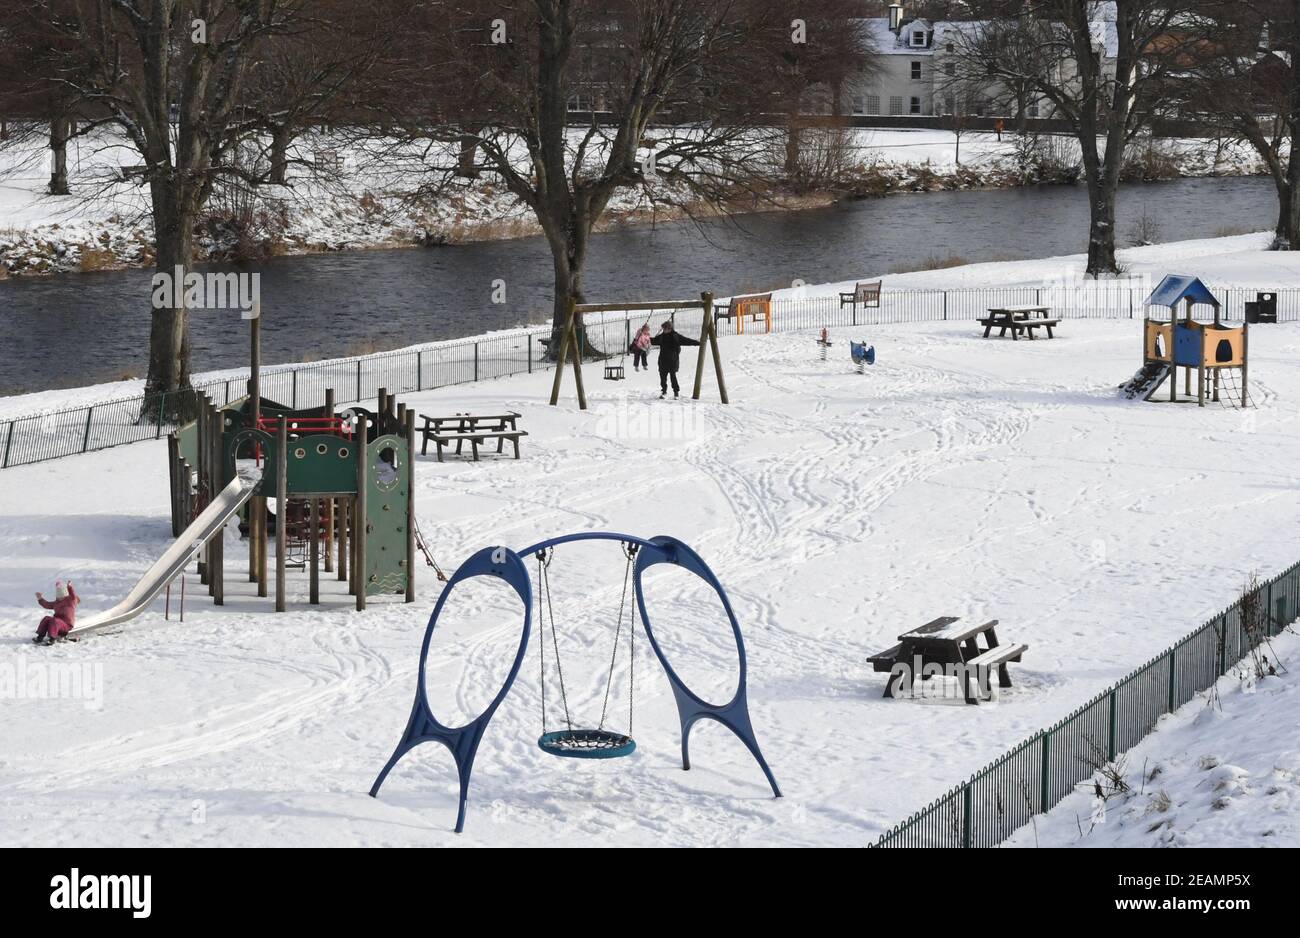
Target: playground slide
<point x="177" y="557"/>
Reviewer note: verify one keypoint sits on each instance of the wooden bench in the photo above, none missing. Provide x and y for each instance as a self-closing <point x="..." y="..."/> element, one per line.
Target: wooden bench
<point x="866" y="294"/>
<point x="953" y="646"/>
<point x="474" y="438"/>
<point x="471" y="428"/>
<point x="996" y="657"/>
<point x="756" y="307"/>
<point x="1018" y="319"/>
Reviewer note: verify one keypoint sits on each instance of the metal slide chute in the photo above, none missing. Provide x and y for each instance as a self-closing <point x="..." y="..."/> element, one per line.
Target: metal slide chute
<point x="177" y="557"/>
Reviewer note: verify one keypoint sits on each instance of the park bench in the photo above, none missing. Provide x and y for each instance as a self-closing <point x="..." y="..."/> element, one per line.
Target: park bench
<point x="474" y="429"/>
<point x="756" y="307"/>
<point x="865" y="294"/>
<point x="954" y="647"/>
<point x="1018" y="319"/>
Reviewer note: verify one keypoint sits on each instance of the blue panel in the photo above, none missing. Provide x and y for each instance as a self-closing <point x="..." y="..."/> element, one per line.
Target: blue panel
<point x="1187" y="346"/>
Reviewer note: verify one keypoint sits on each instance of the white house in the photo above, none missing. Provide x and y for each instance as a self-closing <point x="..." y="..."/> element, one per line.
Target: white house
<point x="912" y="62"/>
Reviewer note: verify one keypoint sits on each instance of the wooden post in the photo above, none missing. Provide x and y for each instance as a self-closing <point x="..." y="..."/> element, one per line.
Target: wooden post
<point x="575" y="351"/>
<point x="329" y="502"/>
<point x="1200" y="382"/>
<point x="281" y="509"/>
<point x="409" y="419"/>
<point x="314" y="534"/>
<point x="205" y="481"/>
<point x="173" y="471"/>
<point x="218" y="575"/>
<point x="709" y="339"/>
<point x="381" y="407"/>
<point x="1245" y="360"/>
<point x="263" y="535"/>
<point x="255" y="364"/>
<point x="341" y="508"/>
<point x="562" y="353"/>
<point x="359" y="532"/>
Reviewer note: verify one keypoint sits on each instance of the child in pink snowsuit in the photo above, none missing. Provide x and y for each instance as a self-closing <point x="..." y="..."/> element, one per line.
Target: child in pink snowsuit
<point x="641" y="348"/>
<point x="55" y="627"/>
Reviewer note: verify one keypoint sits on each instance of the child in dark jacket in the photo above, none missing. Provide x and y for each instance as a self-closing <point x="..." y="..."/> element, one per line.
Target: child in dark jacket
<point x="55" y="627"/>
<point x="670" y="357"/>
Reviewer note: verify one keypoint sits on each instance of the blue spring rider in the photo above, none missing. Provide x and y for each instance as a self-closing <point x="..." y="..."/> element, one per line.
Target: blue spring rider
<point x="576" y="741"/>
<point x="863" y="354"/>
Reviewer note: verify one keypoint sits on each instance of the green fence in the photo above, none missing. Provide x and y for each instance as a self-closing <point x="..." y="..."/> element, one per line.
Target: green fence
<point x="1036" y="775"/>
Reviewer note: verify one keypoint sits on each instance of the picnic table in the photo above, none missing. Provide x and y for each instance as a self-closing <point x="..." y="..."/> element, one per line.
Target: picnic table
<point x="1019" y="319"/>
<point x="473" y="429"/>
<point x="954" y="647"/>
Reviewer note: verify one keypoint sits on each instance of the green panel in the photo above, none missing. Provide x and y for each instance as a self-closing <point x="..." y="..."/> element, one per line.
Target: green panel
<point x="188" y="436"/>
<point x="322" y="464"/>
<point x="387" y="484"/>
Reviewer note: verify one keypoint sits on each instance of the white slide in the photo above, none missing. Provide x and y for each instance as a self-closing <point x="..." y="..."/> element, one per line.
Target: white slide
<point x="173" y="562"/>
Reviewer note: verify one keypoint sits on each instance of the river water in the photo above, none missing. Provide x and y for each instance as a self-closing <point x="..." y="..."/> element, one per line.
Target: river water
<point x="78" y="329"/>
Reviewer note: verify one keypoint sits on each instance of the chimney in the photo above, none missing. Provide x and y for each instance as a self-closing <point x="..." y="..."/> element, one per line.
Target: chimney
<point x="895" y="16"/>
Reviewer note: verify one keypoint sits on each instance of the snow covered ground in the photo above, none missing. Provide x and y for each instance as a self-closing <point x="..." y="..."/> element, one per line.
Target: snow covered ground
<point x="960" y="476"/>
<point x="1221" y="771"/>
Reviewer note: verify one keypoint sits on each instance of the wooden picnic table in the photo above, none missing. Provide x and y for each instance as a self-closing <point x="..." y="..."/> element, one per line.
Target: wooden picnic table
<point x="1019" y="319"/>
<point x="954" y="646"/>
<point x="470" y="428"/>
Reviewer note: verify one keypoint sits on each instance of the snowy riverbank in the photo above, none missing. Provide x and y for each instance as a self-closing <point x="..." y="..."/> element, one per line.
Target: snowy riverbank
<point x="105" y="223"/>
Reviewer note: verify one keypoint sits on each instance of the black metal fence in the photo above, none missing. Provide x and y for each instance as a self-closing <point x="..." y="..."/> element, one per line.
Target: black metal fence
<point x="39" y="437"/>
<point x="1037" y="774"/>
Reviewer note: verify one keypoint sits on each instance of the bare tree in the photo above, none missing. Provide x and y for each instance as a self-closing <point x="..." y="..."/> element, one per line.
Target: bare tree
<point x="1106" y="77"/>
<point x="556" y="100"/>
<point x="1246" y="83"/>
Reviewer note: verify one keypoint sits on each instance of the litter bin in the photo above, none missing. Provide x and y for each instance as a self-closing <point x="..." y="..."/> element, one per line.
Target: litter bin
<point x="1263" y="309"/>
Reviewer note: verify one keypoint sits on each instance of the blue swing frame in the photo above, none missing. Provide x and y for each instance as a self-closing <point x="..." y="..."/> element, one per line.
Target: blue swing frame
<point x="508" y="566"/>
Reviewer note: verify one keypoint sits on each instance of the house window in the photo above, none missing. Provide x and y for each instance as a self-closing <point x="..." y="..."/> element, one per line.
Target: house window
<point x="1032" y="110"/>
<point x="916" y="71"/>
<point x="950" y="69"/>
<point x="949" y="104"/>
<point x="918" y="39"/>
<point x="950" y="47"/>
<point x="859" y="105"/>
<point x="580" y="102"/>
<point x="873" y="104"/>
<point x="915" y="106"/>
<point x="895" y="105"/>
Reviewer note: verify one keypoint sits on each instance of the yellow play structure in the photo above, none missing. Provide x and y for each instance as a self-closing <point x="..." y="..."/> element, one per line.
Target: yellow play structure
<point x="1214" y="351"/>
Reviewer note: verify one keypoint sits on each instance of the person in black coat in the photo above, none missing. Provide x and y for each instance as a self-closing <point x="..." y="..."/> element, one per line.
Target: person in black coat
<point x="670" y="357"/>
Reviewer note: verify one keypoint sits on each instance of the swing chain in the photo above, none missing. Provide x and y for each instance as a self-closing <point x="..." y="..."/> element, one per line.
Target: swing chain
<point x="544" y="587"/>
<point x="630" y="552"/>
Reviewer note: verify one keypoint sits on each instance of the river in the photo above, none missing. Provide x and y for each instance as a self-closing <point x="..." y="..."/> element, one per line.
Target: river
<point x="77" y="329"/>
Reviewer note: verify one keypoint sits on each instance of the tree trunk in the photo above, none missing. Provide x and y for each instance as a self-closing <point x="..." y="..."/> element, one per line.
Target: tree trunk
<point x="792" y="146"/>
<point x="1101" y="229"/>
<point x="1289" y="217"/>
<point x="568" y="257"/>
<point x="281" y="137"/>
<point x="467" y="159"/>
<point x="169" y="339"/>
<point x="60" y="131"/>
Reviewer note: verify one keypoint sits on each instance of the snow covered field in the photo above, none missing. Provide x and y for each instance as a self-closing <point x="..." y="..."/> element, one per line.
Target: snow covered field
<point x="958" y="477"/>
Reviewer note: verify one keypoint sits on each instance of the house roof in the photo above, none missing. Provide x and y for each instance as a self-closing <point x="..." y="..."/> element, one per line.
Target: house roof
<point x="883" y="41"/>
<point x="1177" y="287"/>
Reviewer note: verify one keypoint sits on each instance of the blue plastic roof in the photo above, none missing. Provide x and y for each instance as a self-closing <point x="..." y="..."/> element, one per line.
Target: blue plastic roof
<point x="1175" y="288"/>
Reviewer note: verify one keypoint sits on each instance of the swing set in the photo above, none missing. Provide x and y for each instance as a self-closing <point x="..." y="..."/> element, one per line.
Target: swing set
<point x="571" y="351"/>
<point x="574" y="740"/>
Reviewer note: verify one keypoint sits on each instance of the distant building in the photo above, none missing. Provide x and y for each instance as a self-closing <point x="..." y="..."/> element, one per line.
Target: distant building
<point x="915" y="64"/>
